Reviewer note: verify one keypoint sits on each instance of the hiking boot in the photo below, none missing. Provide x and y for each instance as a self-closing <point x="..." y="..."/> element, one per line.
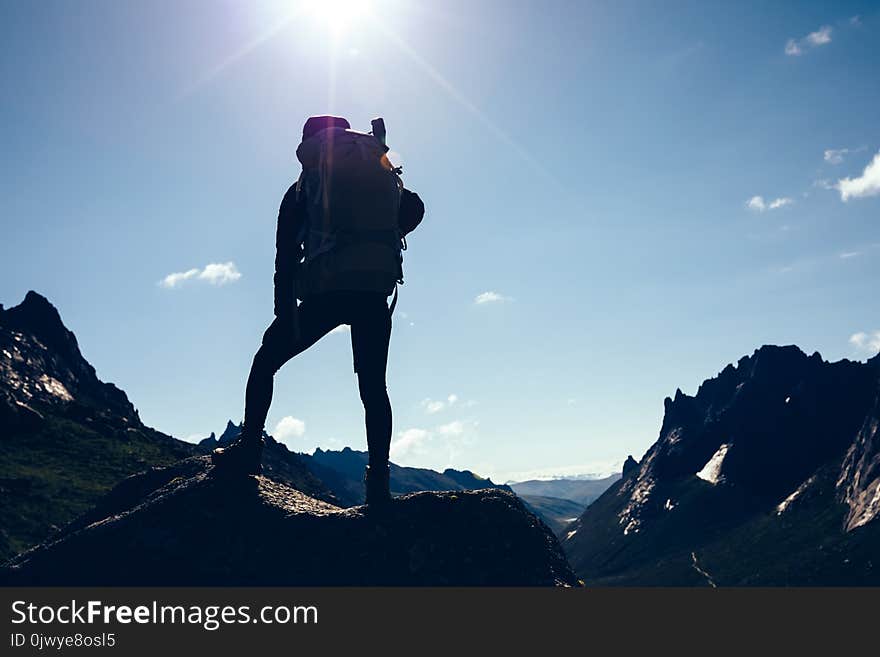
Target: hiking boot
<point x="241" y="458"/>
<point x="377" y="482"/>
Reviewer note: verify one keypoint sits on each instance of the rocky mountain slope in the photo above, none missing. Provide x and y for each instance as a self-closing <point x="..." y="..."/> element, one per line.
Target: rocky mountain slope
<point x="769" y="475"/>
<point x="65" y="436"/>
<point x="182" y="526"/>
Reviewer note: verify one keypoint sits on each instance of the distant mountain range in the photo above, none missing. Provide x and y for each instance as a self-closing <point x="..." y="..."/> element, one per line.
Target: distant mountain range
<point x="559" y="502"/>
<point x="579" y="491"/>
<point x="770" y="475"/>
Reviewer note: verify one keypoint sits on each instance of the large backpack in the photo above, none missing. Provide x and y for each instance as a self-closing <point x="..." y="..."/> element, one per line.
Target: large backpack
<point x="351" y="236"/>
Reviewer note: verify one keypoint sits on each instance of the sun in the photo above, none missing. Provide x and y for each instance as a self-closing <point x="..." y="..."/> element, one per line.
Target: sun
<point x="338" y="15"/>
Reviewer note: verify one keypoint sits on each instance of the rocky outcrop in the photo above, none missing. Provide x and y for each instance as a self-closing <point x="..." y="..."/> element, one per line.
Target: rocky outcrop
<point x="859" y="481"/>
<point x="182" y="526"/>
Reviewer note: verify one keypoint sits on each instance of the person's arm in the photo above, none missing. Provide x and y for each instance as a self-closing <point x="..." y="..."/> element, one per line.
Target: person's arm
<point x="288" y="252"/>
<point x="412" y="210"/>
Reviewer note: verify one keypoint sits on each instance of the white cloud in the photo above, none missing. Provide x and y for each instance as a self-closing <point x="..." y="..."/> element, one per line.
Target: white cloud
<point x="835" y="155"/>
<point x="867" y="184"/>
<point x="433" y="406"/>
<point x="455" y="428"/>
<point x="758" y="204"/>
<point x="490" y="297"/>
<point x="220" y="273"/>
<point x="408" y="441"/>
<point x="289" y="428"/>
<point x="215" y="273"/>
<point x="820" y="37"/>
<point x="780" y="202"/>
<point x="850" y="254"/>
<point x="443" y="442"/>
<point x="178" y="277"/>
<point x="867" y="344"/>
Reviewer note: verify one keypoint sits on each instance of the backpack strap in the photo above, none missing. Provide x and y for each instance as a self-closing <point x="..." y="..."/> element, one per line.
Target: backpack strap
<point x="394" y="299"/>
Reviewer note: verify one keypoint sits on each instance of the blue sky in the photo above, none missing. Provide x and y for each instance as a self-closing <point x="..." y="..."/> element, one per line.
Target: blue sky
<point x="638" y="193"/>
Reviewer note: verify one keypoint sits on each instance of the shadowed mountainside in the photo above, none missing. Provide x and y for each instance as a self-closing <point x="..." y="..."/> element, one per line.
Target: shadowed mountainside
<point x="182" y="526"/>
<point x="66" y="437"/>
<point x="770" y="475"/>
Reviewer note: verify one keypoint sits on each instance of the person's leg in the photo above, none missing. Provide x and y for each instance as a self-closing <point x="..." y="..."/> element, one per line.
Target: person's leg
<point x="317" y="317"/>
<point x="280" y="343"/>
<point x="370" y="337"/>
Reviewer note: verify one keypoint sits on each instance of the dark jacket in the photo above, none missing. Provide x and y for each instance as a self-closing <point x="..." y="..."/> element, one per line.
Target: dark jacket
<point x="289" y="249"/>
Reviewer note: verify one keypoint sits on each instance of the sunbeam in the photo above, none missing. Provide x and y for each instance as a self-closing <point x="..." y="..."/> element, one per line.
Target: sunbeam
<point x="462" y="100"/>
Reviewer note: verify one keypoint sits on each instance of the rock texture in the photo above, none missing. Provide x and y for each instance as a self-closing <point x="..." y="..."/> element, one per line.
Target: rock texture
<point x="770" y="474"/>
<point x="182" y="526"/>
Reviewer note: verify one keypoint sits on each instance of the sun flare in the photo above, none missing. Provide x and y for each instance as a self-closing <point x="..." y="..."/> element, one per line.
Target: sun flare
<point x="337" y="15"/>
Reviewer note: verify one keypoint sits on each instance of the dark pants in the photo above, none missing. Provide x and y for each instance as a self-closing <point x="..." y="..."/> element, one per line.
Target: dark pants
<point x="370" y="320"/>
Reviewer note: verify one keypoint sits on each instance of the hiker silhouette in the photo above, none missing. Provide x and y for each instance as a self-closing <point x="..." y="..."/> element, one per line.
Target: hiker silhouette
<point x="341" y="233"/>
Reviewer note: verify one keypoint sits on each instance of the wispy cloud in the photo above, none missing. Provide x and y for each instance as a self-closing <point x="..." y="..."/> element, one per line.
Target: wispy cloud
<point x="867" y="184"/>
<point x="454" y="428"/>
<point x="758" y="204"/>
<point x="408" y="441"/>
<point x="215" y="273"/>
<point x="835" y="155"/>
<point x="596" y="470"/>
<point x="821" y="37"/>
<point x="866" y="344"/>
<point x="846" y="255"/>
<point x="446" y="440"/>
<point x="491" y="297"/>
<point x="288" y="429"/>
<point x="433" y="406"/>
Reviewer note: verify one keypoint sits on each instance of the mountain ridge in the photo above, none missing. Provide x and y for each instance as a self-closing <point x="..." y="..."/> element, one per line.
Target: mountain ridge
<point x="760" y="477"/>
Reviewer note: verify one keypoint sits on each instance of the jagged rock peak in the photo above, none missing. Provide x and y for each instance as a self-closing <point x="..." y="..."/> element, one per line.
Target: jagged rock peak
<point x="630" y="465"/>
<point x="37" y="316"/>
